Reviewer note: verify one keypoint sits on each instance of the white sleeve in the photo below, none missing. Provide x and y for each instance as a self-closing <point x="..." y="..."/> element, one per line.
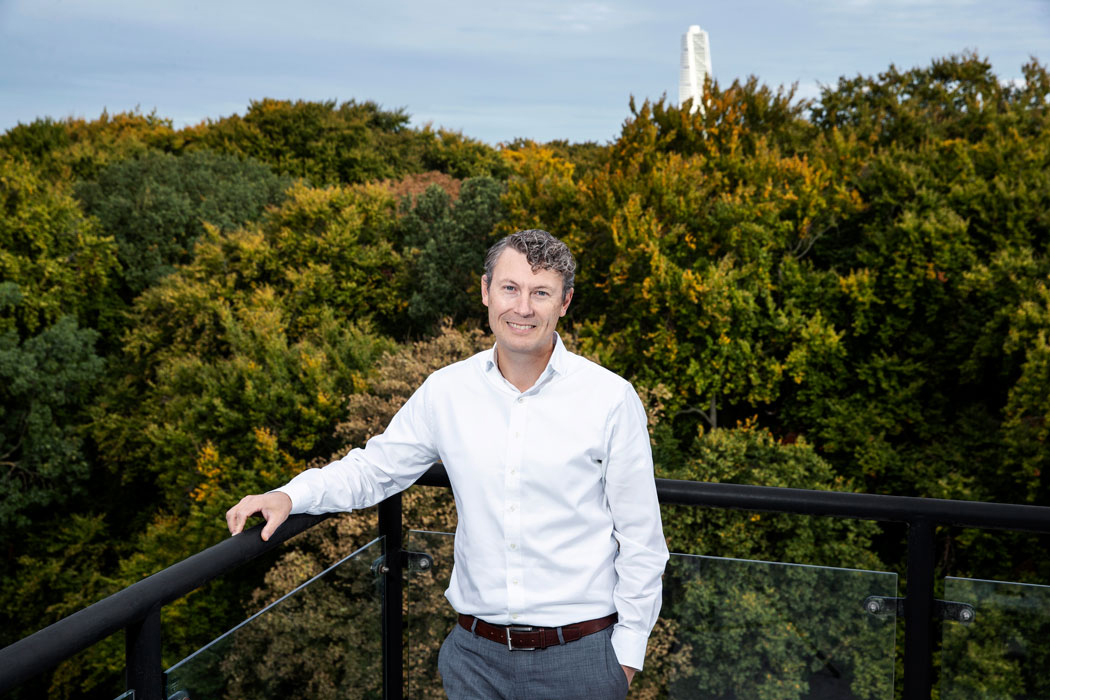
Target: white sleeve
<point x="387" y="464"/>
<point x="636" y="515"/>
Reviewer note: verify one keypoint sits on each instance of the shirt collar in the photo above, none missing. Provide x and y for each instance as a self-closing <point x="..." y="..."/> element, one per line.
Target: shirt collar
<point x="559" y="358"/>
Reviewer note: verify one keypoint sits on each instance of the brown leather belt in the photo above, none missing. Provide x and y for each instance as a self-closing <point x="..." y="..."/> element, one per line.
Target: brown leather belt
<point x="531" y="638"/>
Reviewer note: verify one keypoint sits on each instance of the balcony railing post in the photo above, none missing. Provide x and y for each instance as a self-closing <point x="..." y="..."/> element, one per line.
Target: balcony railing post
<point x="920" y="572"/>
<point x="144" y="673"/>
<point x="389" y="527"/>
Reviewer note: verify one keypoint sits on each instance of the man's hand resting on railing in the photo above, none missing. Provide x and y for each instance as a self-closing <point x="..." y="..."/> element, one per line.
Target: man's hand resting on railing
<point x="274" y="506"/>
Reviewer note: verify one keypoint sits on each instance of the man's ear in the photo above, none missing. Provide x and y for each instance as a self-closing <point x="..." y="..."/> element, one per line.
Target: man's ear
<point x="565" y="304"/>
<point x="485" y="290"/>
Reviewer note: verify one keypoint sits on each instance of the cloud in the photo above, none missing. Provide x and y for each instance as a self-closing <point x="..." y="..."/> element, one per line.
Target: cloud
<point x="582" y="17"/>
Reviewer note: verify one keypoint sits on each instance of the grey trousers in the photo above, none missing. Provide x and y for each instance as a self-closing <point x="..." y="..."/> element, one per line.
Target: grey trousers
<point x="474" y="668"/>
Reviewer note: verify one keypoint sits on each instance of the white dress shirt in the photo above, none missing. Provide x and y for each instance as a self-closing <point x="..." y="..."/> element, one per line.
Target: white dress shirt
<point x="558" y="520"/>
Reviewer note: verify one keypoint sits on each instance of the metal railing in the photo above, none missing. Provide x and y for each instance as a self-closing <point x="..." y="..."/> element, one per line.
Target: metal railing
<point x="137" y="608"/>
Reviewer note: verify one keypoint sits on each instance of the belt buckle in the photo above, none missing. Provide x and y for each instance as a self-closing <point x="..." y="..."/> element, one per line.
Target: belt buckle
<point x="517" y="628"/>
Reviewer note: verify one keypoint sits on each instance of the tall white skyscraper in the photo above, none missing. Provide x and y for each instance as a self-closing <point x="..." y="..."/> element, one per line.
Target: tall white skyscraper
<point x="694" y="66"/>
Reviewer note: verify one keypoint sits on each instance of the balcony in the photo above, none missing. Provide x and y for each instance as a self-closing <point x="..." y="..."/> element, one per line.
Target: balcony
<point x="370" y="624"/>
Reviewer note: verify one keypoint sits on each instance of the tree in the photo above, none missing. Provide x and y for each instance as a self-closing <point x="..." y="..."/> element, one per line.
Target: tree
<point x="55" y="273"/>
<point x="45" y="382"/>
<point x="54" y="261"/>
<point x="870" y="274"/>
<point x="318" y="141"/>
<point x="446" y="244"/>
<point x="354" y="142"/>
<point x="957" y="186"/>
<point x="233" y="375"/>
<point x="867" y="274"/>
<point x="460" y="156"/>
<point x="77" y="149"/>
<point x="244" y="351"/>
<point x="155" y="206"/>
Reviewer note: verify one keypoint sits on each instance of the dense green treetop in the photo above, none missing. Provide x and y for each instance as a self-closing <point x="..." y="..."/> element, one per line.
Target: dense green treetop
<point x="155" y="206"/>
<point x="54" y="260"/>
<point x="446" y="243"/>
<point x="77" y="149"/>
<point x="327" y="143"/>
<point x="44" y="384"/>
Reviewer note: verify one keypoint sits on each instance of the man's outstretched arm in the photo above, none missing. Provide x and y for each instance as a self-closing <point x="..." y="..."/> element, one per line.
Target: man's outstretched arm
<point x="388" y="463"/>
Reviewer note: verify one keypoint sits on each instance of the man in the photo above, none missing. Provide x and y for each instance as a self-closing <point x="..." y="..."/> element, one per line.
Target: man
<point x="559" y="550"/>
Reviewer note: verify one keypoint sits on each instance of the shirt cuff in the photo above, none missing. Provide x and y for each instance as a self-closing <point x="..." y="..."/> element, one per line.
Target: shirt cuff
<point x="629" y="647"/>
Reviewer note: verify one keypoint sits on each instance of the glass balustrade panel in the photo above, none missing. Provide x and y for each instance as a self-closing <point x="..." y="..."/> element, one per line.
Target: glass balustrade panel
<point x="430" y="617"/>
<point x="728" y="628"/>
<point x="320" y="641"/>
<point x="735" y="628"/>
<point x="1002" y="649"/>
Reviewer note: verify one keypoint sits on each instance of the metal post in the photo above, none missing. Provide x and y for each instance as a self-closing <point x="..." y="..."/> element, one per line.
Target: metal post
<point x="389" y="527"/>
<point x="918" y="610"/>
<point x="144" y="674"/>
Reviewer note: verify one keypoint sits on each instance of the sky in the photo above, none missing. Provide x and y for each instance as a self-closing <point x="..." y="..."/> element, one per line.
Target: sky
<point x="491" y="69"/>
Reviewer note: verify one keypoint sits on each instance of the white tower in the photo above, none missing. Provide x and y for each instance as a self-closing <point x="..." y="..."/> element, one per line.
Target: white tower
<point x="694" y="66"/>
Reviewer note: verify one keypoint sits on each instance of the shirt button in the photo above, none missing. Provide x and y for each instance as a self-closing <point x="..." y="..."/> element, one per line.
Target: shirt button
<point x="512" y="508"/>
<point x="519" y="400"/>
<point x="515" y="581"/>
<point x="513" y="545"/>
<point x="515" y="616"/>
<point x="516" y="433"/>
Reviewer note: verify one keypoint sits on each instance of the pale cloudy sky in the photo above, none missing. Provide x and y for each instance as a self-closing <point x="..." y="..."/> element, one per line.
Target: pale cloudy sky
<point x="493" y="69"/>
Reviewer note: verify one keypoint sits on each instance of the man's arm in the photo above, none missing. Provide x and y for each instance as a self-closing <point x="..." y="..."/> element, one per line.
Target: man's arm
<point x="636" y="516"/>
<point x="387" y="464"/>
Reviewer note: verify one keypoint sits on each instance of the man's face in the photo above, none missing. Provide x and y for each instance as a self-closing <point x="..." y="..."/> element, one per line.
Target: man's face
<point x="524" y="306"/>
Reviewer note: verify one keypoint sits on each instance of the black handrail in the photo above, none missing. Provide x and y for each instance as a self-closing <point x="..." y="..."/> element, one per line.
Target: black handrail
<point x="137" y="608"/>
<point x="837" y="504"/>
<point x="132" y="608"/>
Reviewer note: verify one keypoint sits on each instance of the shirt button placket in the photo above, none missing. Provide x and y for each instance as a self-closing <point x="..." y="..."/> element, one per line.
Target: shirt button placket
<point x="513" y="531"/>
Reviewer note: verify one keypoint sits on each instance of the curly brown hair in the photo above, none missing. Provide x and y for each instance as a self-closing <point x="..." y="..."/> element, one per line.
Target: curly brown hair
<point x="543" y="252"/>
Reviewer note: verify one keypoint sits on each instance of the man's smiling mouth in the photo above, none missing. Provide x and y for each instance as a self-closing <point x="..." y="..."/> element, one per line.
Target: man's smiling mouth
<point x="520" y="326"/>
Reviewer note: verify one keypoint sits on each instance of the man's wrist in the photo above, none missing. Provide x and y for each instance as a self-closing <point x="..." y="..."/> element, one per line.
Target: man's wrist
<point x="288" y="490"/>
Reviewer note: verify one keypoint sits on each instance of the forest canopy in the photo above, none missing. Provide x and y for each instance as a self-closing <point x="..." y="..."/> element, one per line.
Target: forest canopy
<point x="848" y="293"/>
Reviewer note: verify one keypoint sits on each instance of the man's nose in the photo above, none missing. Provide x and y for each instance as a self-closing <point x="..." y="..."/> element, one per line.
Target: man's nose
<point x="523" y="306"/>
